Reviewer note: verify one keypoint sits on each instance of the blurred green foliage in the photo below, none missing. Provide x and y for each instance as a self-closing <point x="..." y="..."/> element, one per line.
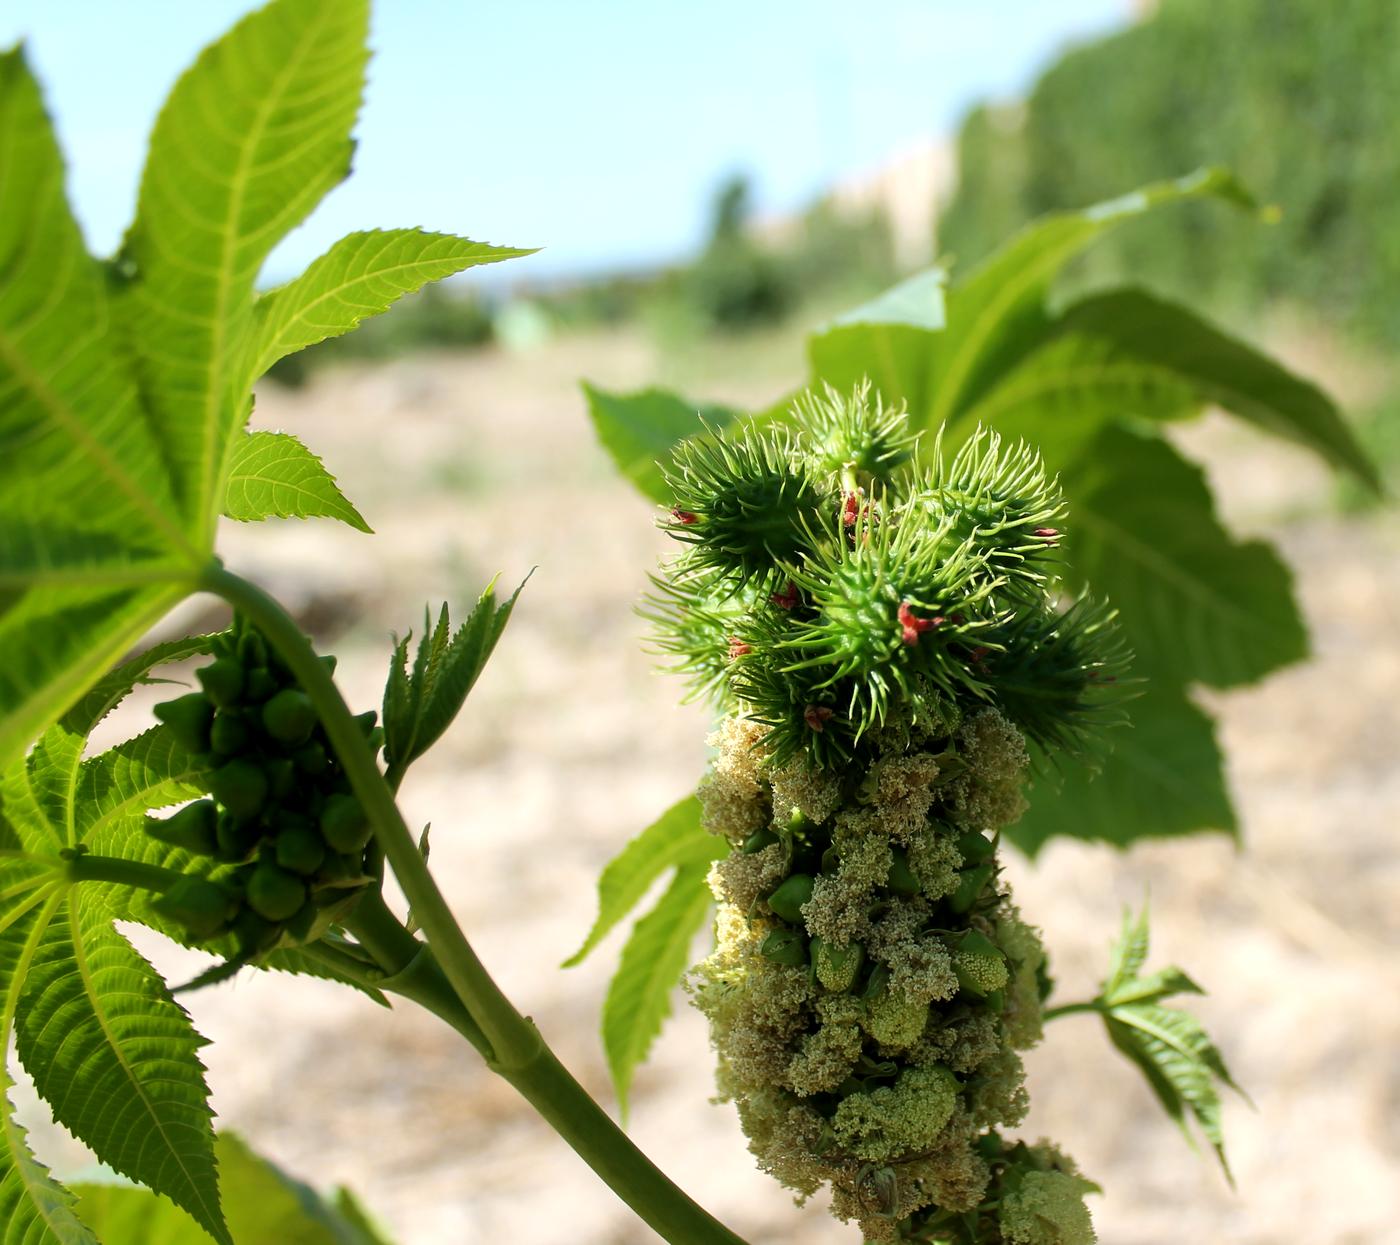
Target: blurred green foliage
<point x="1298" y="97"/>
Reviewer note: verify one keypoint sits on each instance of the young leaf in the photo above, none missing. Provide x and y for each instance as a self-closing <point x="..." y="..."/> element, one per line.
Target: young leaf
<point x="272" y="474"/>
<point x="251" y="138"/>
<point x="656" y="954"/>
<point x="93" y="544"/>
<point x="674" y="840"/>
<point x="34" y="1210"/>
<point x="640" y="430"/>
<point x="360" y="276"/>
<point x="1171" y="1048"/>
<point x="115" y="1057"/>
<point x="265" y="1207"/>
<point x="420" y="704"/>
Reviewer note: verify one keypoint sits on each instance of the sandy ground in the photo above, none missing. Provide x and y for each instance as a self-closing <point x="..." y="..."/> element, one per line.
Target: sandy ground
<point x="472" y="465"/>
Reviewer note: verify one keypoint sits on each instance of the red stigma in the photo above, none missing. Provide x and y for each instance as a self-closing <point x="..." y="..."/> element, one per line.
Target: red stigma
<point x="816" y="716"/>
<point x="684" y="516"/>
<point x="1049" y="533"/>
<point x="787" y="598"/>
<point x="737" y="648"/>
<point x="912" y="624"/>
<point x="850" y="509"/>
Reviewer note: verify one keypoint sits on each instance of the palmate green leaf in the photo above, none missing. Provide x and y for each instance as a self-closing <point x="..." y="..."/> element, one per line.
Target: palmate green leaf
<point x="265" y="1207"/>
<point x="34" y="1210"/>
<point x="656" y="954"/>
<point x="640" y="430"/>
<point x="273" y="475"/>
<point x="115" y="1057"/>
<point x="420" y="703"/>
<point x="1163" y="777"/>
<point x="1169" y="1046"/>
<point x="360" y="276"/>
<point x="250" y="139"/>
<point x="93" y="545"/>
<point x="676" y="839"/>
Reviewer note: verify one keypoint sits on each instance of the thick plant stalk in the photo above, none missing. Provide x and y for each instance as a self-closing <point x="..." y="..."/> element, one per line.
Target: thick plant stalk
<point x="453" y="983"/>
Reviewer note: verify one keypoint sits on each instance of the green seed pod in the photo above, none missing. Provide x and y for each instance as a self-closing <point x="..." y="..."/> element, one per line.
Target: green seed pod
<point x="274" y="893"/>
<point x="300" y="851"/>
<point x="236" y="837"/>
<point x="201" y="906"/>
<point x="344" y="824"/>
<point x="975" y="847"/>
<point x="301" y="923"/>
<point x="222" y="681"/>
<point x="788" y="899"/>
<point x="229" y="734"/>
<point x="784" y="946"/>
<point x="971" y="884"/>
<point x="290" y="717"/>
<point x="258" y="685"/>
<point x="837" y="967"/>
<point x="194" y="827"/>
<point x="189" y="719"/>
<point x="902" y="880"/>
<point x="341" y="870"/>
<point x="757" y="841"/>
<point x="241" y="787"/>
<point x="281" y="777"/>
<point x="311" y="759"/>
<point x="366" y="720"/>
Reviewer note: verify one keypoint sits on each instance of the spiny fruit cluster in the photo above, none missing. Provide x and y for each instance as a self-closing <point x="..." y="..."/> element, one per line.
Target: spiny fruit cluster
<point x="281" y="837"/>
<point x="885" y="641"/>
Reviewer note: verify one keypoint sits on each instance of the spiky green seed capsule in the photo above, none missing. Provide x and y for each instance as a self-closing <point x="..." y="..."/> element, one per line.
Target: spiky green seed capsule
<point x="273" y="893"/>
<point x="344" y="824"/>
<point x="241" y="787"/>
<point x="788" y="899"/>
<point x="222" y="681"/>
<point x="194" y="828"/>
<point x="289" y="717"/>
<point x="188" y="719"/>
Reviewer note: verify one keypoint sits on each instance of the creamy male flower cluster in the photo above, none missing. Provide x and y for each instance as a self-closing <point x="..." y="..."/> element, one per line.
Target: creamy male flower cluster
<point x="888" y="643"/>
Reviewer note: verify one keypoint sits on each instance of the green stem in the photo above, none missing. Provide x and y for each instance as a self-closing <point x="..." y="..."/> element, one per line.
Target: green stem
<point x="1069" y="1009"/>
<point x="84" y="867"/>
<point x="445" y="975"/>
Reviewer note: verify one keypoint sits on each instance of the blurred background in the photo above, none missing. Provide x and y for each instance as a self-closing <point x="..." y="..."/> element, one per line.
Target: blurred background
<point x="710" y="183"/>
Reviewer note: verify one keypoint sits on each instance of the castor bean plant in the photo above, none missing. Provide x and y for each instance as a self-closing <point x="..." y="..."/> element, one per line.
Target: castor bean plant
<point x="881" y="584"/>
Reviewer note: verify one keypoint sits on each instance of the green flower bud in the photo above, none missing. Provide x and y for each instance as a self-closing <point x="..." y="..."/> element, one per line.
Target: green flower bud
<point x="366" y="720"/>
<point x="902" y="880"/>
<point x="258" y="685"/>
<point x="975" y="847"/>
<point x="837" y="967"/>
<point x="274" y="893"/>
<point x="757" y="841"/>
<point x="194" y="827"/>
<point x="189" y="719"/>
<point x="289" y="717"/>
<point x="344" y="824"/>
<point x="241" y="787"/>
<point x="788" y="899"/>
<point x="978" y="963"/>
<point x="254" y="933"/>
<point x="236" y="837"/>
<point x="201" y="906"/>
<point x="302" y="923"/>
<point x="784" y="946"/>
<point x="222" y="681"/>
<point x="971" y="884"/>
<point x="229" y="734"/>
<point x="300" y="851"/>
<point x="329" y="662"/>
<point x="251" y="649"/>
<point x="281" y="777"/>
<point x="311" y="759"/>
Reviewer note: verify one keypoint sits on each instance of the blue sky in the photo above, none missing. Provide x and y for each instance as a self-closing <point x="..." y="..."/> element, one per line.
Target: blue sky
<point x="594" y="128"/>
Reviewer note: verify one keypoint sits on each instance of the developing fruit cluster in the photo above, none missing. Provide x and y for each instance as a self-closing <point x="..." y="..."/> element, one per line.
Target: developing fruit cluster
<point x="885" y="643"/>
<point x="281" y="834"/>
